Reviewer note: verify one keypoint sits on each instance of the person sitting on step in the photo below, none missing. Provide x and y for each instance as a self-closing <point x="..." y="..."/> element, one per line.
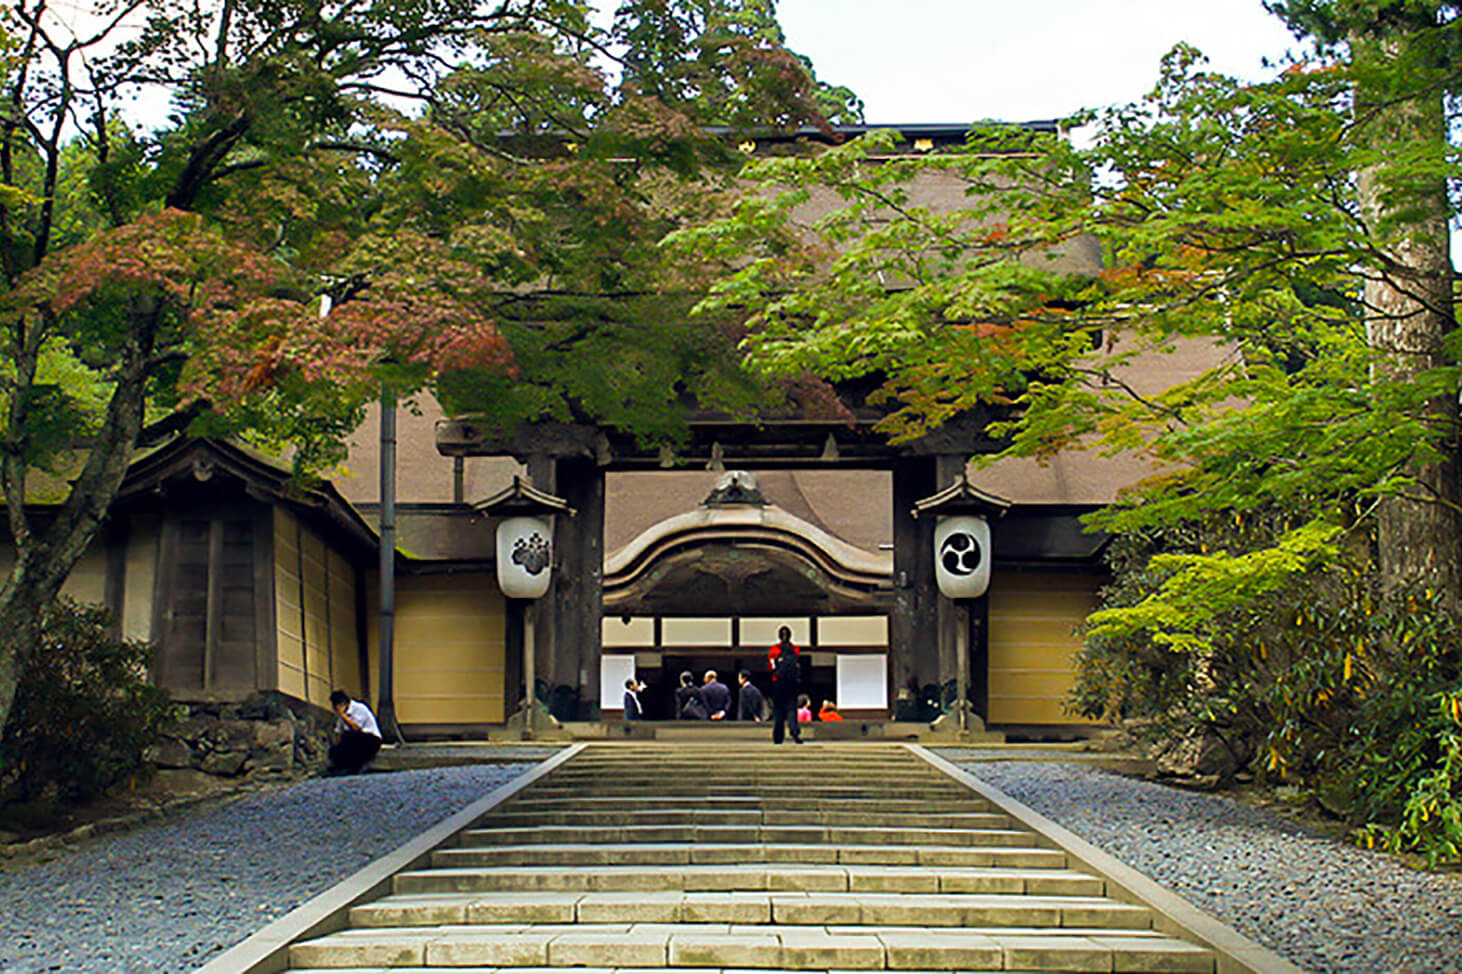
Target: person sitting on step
<point x="804" y="709"/>
<point x="827" y="712"/>
<point x="360" y="736"/>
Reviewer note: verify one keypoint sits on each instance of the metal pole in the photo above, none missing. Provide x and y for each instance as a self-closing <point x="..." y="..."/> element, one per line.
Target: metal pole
<point x="962" y="662"/>
<point x="530" y="679"/>
<point x="385" y="701"/>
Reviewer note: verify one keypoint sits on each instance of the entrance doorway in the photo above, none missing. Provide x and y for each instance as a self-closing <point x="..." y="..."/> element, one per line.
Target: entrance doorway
<point x="818" y="682"/>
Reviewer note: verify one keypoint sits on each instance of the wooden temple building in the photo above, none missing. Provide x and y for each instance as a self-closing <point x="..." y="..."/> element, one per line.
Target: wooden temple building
<point x="246" y="582"/>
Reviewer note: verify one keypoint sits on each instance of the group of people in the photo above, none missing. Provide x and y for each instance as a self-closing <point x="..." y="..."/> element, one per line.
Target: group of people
<point x="358" y="736"/>
<point x="711" y="699"/>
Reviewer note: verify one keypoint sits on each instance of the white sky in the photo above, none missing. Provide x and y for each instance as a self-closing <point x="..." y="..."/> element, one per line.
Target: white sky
<point x="956" y="61"/>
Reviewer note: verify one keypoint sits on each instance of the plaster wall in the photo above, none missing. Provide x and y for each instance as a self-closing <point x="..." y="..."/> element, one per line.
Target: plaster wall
<point x="140" y="582"/>
<point x="449" y="648"/>
<point x="1033" y="644"/>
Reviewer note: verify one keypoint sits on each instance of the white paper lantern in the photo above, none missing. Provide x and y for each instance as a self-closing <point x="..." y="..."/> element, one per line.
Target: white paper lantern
<point x="962" y="556"/>
<point x="524" y="557"/>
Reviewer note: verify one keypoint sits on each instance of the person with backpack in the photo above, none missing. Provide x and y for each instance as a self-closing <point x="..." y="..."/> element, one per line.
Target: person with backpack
<point x="690" y="703"/>
<point x="786" y="665"/>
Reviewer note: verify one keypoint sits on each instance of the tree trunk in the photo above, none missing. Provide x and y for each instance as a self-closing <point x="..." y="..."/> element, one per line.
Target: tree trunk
<point x="20" y="633"/>
<point x="1409" y="313"/>
<point x="44" y="559"/>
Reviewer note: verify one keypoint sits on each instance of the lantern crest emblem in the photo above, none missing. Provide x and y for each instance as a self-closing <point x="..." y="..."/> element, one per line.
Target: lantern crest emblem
<point x="533" y="553"/>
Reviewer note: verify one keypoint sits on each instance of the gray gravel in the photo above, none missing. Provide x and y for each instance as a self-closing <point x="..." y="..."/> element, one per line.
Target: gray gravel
<point x="170" y="896"/>
<point x="1323" y="904"/>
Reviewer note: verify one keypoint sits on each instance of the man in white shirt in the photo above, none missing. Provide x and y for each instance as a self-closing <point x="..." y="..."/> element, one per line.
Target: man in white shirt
<point x="360" y="735"/>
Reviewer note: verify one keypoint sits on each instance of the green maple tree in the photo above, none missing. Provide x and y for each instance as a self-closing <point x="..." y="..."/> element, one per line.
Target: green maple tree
<point x="465" y="182"/>
<point x="1296" y="229"/>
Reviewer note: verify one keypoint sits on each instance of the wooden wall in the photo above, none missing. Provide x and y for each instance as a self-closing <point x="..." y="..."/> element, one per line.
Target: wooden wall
<point x="315" y="615"/>
<point x="449" y="648"/>
<point x="1033" y="616"/>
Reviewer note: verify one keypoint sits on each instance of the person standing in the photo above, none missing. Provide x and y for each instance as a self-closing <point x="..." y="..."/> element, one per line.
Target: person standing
<point x="750" y="704"/>
<point x="716" y="696"/>
<point x="632" y="708"/>
<point x="359" y="735"/>
<point x="690" y="703"/>
<point x="785" y="660"/>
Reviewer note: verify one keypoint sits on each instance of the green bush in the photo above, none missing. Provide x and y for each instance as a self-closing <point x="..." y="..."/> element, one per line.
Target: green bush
<point x="1275" y="640"/>
<point x="84" y="712"/>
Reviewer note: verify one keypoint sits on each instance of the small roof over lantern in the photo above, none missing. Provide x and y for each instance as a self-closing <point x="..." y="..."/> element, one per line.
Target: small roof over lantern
<point x="962" y="498"/>
<point x="521" y="499"/>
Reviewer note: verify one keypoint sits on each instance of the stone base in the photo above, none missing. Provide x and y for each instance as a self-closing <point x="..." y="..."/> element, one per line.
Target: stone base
<point x="545" y="728"/>
<point x="267" y="733"/>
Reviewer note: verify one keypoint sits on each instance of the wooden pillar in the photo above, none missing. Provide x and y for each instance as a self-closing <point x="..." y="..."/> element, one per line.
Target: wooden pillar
<point x="979" y="644"/>
<point x="580" y="481"/>
<point x="913" y="624"/>
<point x="513" y="641"/>
<point x="951" y="621"/>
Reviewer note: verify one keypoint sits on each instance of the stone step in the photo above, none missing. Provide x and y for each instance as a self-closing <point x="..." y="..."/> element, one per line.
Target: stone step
<point x="597" y="970"/>
<point x="771" y="762"/>
<point x="746" y="947"/>
<point x="756" y="759"/>
<point x="794" y="784"/>
<point x="630" y="752"/>
<point x="672" y="813"/>
<point x="677" y="853"/>
<point x="799" y="877"/>
<point x="674" y="789"/>
<point x="861" y="806"/>
<point x="631" y="860"/>
<point x="697" y="770"/>
<point x="749" y="835"/>
<point x="424" y="899"/>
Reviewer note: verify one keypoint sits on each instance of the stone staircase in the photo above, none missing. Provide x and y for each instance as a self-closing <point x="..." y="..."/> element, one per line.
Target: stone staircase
<point x="696" y="858"/>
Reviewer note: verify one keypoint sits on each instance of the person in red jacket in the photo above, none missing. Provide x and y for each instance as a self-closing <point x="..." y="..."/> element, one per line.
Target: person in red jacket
<point x="784" y="658"/>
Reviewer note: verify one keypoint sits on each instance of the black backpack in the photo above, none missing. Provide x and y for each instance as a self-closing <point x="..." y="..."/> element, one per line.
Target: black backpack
<point x="693" y="708"/>
<point x="787" y="670"/>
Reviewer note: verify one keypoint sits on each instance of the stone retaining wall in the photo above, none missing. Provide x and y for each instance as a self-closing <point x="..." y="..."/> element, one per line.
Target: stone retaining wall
<point x="267" y="733"/>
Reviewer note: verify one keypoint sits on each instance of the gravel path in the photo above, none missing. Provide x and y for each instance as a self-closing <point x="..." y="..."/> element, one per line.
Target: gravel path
<point x="170" y="896"/>
<point x="1326" y="906"/>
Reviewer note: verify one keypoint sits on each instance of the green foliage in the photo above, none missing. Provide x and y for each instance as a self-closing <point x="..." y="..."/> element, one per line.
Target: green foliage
<point x="1295" y="662"/>
<point x="1286" y="236"/>
<point x="84" y="713"/>
<point x="477" y="196"/>
<point x="502" y="164"/>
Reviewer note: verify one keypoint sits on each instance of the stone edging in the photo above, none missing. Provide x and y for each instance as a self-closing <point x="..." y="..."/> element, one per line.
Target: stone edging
<point x="118" y="823"/>
<point x="1236" y="954"/>
<point x="267" y="951"/>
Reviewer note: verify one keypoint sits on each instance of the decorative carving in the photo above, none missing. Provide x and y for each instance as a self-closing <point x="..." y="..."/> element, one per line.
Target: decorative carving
<point x="737" y="487"/>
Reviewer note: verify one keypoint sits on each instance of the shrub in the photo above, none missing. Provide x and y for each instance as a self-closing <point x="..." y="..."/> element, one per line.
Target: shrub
<point x="1286" y="650"/>
<point x="84" y="712"/>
